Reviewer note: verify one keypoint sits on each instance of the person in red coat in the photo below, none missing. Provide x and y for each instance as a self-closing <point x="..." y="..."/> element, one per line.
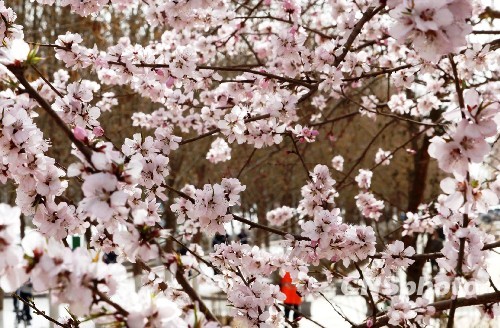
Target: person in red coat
<point x="293" y="299"/>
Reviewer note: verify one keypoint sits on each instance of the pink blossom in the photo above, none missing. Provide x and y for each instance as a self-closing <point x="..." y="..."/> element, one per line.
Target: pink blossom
<point x="80" y="133"/>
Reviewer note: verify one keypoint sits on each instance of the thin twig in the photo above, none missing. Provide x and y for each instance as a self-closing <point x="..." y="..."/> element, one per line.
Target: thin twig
<point x="377" y="73"/>
<point x="39" y="312"/>
<point x="217" y="130"/>
<point x="363" y="154"/>
<point x="465" y="223"/>
<point x="246" y="163"/>
<point x="303" y="315"/>
<point x="339" y="312"/>
<point x="335" y="119"/>
<point x="370" y="296"/>
<point x="300" y="157"/>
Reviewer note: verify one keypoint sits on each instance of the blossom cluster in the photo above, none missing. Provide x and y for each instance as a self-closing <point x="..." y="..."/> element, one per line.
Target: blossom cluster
<point x="405" y="312"/>
<point x="435" y="28"/>
<point x="368" y="205"/>
<point x="208" y="208"/>
<point x="11" y="254"/>
<point x="9" y="30"/>
<point x="243" y="270"/>
<point x="39" y="180"/>
<point x="280" y="215"/>
<point x="318" y="192"/>
<point x="330" y="238"/>
<point x="464" y="196"/>
<point x="219" y="151"/>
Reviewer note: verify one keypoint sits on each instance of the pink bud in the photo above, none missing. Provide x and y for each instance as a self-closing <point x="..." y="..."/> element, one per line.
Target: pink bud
<point x="80" y="133"/>
<point x="170" y="82"/>
<point x="287" y="5"/>
<point x="98" y="131"/>
<point x="369" y="322"/>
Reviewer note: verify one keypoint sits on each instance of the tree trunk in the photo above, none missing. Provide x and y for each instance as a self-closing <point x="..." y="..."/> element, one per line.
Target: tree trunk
<point x="416" y="197"/>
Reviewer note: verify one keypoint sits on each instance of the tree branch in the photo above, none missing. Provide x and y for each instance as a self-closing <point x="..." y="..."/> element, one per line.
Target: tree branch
<point x="39" y="312"/>
<point x="19" y="74"/>
<point x="372" y="11"/>
<point x="441" y="306"/>
<point x="186" y="287"/>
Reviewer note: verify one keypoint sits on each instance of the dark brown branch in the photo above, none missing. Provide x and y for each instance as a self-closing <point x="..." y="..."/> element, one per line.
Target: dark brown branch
<point x="441" y="306"/>
<point x="485" y="32"/>
<point x="193" y="295"/>
<point x="262" y="73"/>
<point x="198" y="257"/>
<point x="370" y="296"/>
<point x="266" y="228"/>
<point x="377" y="73"/>
<point x="217" y="130"/>
<point x="323" y="35"/>
<point x="19" y="74"/>
<point x="245" y="18"/>
<point x="162" y="285"/>
<point x="47" y="82"/>
<point x="360" y="158"/>
<point x="39" y="312"/>
<point x="246" y="163"/>
<point x="103" y="297"/>
<point x="339" y="312"/>
<point x="303" y="315"/>
<point x="465" y="223"/>
<point x="239" y="68"/>
<point x="456" y="79"/>
<point x="335" y="119"/>
<point x="300" y="157"/>
<point x="372" y="11"/>
<point x="436" y="255"/>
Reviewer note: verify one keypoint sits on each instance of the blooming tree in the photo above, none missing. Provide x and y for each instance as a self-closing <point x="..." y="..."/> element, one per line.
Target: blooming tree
<point x="440" y="63"/>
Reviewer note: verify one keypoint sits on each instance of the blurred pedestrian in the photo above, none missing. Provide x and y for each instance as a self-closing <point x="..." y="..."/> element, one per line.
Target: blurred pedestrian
<point x="434" y="245"/>
<point x="243" y="236"/>
<point x="293" y="299"/>
<point x="109" y="257"/>
<point x="25" y="292"/>
<point x="220" y="239"/>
